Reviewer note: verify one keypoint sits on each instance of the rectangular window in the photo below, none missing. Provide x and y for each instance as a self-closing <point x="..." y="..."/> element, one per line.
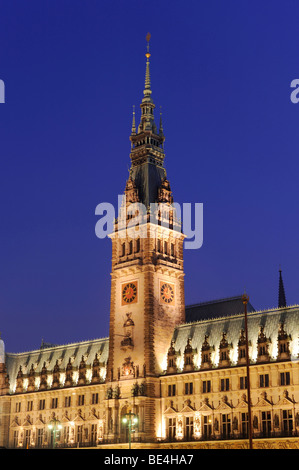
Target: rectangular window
<point x="189" y="388"/>
<point x="15" y="438"/>
<point x="40" y="434"/>
<point x="224" y="385"/>
<point x="95" y="399"/>
<point x="80" y="433"/>
<point x="66" y="434"/>
<point x="244" y="424"/>
<point x="27" y="438"/>
<point x="225" y="425"/>
<point x="171" y="428"/>
<point x="266" y="422"/>
<point x="207" y="427"/>
<point x="67" y="401"/>
<point x="54" y="403"/>
<point x="171" y="390"/>
<point x="172" y="249"/>
<point x="18" y="407"/>
<point x="81" y="400"/>
<point x="189" y="427"/>
<point x="42" y="404"/>
<point x="264" y="380"/>
<point x="206" y="386"/>
<point x="30" y="405"/>
<point x="93" y="433"/>
<point x="285" y="378"/>
<point x="287" y="421"/>
<point x="243" y="383"/>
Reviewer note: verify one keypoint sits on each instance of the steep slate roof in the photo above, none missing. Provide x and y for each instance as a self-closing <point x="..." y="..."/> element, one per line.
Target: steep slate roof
<point x="214" y="327"/>
<point x="51" y="354"/>
<point x="216" y="308"/>
<point x="232" y="325"/>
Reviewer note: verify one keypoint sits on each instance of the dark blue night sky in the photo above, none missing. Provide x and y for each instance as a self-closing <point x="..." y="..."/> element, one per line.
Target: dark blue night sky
<point x="73" y="69"/>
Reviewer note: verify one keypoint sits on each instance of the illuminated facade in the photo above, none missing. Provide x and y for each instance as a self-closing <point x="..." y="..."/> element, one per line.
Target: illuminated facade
<point x="184" y="382"/>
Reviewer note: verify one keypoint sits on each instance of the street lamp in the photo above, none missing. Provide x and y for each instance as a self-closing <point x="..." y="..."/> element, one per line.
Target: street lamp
<point x="245" y="300"/>
<point x="54" y="426"/>
<point x="130" y="418"/>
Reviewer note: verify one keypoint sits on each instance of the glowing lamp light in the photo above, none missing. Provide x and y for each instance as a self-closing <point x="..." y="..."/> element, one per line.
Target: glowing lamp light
<point x="125" y="420"/>
<point x="50" y="426"/>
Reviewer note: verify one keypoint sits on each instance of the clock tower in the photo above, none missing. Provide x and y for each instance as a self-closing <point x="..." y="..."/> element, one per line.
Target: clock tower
<point x="147" y="278"/>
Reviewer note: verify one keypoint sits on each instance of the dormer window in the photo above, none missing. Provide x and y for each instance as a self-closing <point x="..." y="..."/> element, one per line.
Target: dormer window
<point x="171" y="360"/>
<point x="188" y="357"/>
<point x="206" y="351"/>
<point x="224" y="348"/>
<point x="283" y="344"/>
<point x="263" y="347"/>
<point x="242" y="348"/>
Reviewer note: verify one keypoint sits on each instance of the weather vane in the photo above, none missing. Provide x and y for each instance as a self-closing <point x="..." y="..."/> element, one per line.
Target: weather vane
<point x="148" y="36"/>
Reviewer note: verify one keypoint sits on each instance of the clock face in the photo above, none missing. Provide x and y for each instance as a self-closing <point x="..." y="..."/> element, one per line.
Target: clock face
<point x="167" y="293"/>
<point x="129" y="293"/>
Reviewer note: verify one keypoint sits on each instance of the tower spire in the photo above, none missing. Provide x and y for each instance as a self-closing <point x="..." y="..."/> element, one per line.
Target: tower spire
<point x="147" y="87"/>
<point x="281" y="293"/>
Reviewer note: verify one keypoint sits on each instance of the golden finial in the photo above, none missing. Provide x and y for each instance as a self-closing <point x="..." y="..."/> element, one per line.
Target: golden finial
<point x="245" y="297"/>
<point x="148" y="36"/>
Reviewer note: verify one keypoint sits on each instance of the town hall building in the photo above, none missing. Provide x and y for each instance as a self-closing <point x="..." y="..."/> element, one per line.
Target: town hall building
<point x="169" y="376"/>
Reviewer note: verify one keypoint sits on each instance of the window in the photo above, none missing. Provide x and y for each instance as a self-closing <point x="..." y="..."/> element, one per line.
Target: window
<point x="224" y="385"/>
<point x="264" y="380"/>
<point x="223" y="355"/>
<point x="189" y="388"/>
<point x="18" y="407"/>
<point x="165" y="248"/>
<point x="225" y="425"/>
<point x="54" y="403"/>
<point x="42" y="404"/>
<point x="27" y="438"/>
<point x="188" y="361"/>
<point x="95" y="399"/>
<point x="94" y="433"/>
<point x="123" y="249"/>
<point x="244" y="424"/>
<point x="285" y="378"/>
<point x="40" y="435"/>
<point x="243" y="383"/>
<point x="287" y="421"/>
<point x="205" y="357"/>
<point x="171" y="363"/>
<point x="67" y="401"/>
<point x="171" y="390"/>
<point x="81" y="400"/>
<point x="80" y="432"/>
<point x="137" y="245"/>
<point x="130" y="247"/>
<point x="66" y="434"/>
<point x="172" y="249"/>
<point x="242" y="353"/>
<point x="206" y="386"/>
<point x="266" y="422"/>
<point x="171" y="428"/>
<point x="30" y="405"/>
<point x="207" y="426"/>
<point x="189" y="427"/>
<point x="15" y="438"/>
